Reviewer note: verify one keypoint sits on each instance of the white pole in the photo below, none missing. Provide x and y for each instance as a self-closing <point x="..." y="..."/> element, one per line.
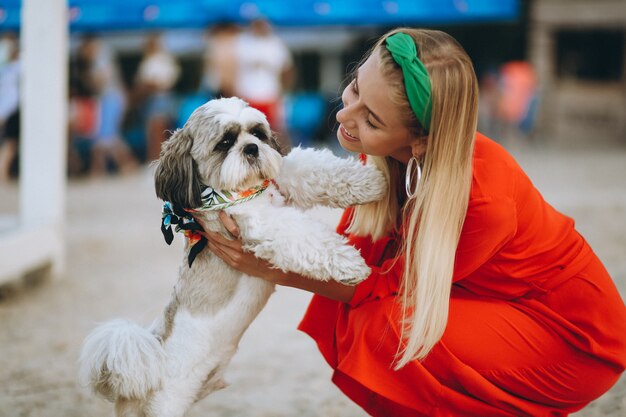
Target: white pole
<point x="43" y="142"/>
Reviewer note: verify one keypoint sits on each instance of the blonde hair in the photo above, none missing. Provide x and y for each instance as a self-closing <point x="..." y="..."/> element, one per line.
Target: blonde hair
<point x="433" y="218"/>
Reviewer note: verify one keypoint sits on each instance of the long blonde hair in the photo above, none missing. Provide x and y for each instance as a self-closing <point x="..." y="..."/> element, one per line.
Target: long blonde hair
<point x="433" y="218"/>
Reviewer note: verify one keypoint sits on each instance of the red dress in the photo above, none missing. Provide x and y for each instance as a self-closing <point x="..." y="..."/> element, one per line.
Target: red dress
<point x="536" y="326"/>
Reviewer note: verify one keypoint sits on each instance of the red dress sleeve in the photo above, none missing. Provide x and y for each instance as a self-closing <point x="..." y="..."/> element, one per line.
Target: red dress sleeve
<point x="489" y="225"/>
<point x="384" y="281"/>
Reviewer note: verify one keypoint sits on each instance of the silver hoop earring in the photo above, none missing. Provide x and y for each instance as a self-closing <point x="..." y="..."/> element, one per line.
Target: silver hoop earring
<point x="409" y="176"/>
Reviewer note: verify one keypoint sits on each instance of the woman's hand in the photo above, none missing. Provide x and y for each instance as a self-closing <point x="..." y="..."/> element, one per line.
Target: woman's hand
<point x="232" y="253"/>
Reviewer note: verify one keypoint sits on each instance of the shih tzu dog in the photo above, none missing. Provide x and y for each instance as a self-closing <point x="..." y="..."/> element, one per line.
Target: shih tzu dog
<point x="225" y="158"/>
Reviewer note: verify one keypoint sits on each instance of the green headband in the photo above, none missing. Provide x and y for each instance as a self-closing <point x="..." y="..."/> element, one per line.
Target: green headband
<point x="416" y="79"/>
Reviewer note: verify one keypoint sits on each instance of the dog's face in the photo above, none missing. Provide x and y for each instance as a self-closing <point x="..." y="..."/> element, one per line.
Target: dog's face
<point x="225" y="144"/>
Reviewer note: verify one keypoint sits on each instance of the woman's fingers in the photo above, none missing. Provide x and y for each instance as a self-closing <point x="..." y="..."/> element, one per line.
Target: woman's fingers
<point x="231" y="250"/>
<point x="221" y="253"/>
<point x="218" y="239"/>
<point x="228" y="249"/>
<point x="229" y="223"/>
<point x="234" y="257"/>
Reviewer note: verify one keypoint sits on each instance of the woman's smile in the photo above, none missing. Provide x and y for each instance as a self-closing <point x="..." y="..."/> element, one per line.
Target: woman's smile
<point x="347" y="135"/>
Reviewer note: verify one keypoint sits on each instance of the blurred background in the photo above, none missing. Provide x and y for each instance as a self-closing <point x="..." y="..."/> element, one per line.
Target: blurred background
<point x="89" y="89"/>
<point x="549" y="69"/>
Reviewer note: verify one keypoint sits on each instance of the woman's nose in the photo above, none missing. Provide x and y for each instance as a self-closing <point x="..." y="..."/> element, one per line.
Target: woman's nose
<point x="341" y="115"/>
<point x="344" y="112"/>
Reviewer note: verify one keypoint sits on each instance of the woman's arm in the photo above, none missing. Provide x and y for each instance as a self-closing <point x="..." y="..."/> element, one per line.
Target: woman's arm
<point x="232" y="253"/>
<point x="329" y="289"/>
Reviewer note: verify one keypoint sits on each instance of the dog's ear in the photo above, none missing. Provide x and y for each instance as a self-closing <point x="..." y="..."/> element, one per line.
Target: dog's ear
<point x="176" y="177"/>
<point x="275" y="142"/>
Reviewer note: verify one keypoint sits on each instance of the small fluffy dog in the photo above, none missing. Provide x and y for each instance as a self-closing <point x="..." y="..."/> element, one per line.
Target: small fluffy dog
<point x="227" y="145"/>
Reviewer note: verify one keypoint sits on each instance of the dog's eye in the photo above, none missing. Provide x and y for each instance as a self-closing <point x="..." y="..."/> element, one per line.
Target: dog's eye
<point x="226" y="143"/>
<point x="259" y="133"/>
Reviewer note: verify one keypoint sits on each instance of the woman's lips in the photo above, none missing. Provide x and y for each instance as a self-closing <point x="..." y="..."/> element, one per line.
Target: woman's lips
<point x="347" y="136"/>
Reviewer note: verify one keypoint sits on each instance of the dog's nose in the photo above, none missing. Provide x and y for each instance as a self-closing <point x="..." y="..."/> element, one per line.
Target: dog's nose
<point x="251" y="150"/>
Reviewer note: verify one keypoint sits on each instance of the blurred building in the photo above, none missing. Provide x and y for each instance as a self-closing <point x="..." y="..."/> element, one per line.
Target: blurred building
<point x="578" y="48"/>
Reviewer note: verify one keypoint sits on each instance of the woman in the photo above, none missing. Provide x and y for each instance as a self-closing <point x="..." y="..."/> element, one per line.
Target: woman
<point x="483" y="300"/>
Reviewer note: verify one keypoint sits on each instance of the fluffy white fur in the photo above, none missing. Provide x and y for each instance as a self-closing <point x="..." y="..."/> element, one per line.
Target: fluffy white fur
<point x="181" y="358"/>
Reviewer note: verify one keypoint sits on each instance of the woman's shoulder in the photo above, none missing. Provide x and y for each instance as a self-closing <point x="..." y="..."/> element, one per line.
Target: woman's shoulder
<point x="496" y="174"/>
<point x="486" y="148"/>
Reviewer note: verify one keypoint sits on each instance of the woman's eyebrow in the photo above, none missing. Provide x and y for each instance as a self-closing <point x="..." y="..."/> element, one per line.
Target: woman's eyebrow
<point x="374" y="115"/>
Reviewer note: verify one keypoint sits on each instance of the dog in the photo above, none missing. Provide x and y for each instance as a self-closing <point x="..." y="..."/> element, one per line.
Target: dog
<point x="226" y="148"/>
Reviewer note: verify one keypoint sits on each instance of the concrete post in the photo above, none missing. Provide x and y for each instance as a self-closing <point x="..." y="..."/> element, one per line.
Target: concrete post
<point x="43" y="144"/>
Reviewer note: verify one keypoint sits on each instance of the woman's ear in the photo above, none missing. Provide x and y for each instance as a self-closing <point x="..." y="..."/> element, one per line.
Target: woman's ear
<point x="418" y="147"/>
<point x="176" y="178"/>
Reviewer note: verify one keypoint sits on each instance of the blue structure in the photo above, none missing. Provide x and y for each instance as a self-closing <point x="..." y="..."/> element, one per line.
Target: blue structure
<point x="112" y="15"/>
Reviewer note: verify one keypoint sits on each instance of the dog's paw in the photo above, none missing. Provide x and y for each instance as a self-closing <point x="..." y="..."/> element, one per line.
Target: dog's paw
<point x="311" y="177"/>
<point x="354" y="276"/>
<point x="348" y="267"/>
<point x="368" y="185"/>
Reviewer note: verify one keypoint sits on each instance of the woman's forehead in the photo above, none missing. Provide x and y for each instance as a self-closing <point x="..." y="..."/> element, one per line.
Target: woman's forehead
<point x="374" y="90"/>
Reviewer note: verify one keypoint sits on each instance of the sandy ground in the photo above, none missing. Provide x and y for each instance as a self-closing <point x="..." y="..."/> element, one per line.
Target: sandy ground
<point x="119" y="266"/>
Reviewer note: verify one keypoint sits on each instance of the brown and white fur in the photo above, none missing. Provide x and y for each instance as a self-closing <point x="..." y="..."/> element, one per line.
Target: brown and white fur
<point x="181" y="358"/>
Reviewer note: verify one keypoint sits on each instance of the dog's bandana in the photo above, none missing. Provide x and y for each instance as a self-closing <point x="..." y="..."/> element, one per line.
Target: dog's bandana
<point x="212" y="200"/>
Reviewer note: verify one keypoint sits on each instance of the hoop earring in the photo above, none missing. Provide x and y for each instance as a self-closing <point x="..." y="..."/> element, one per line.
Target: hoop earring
<point x="409" y="176"/>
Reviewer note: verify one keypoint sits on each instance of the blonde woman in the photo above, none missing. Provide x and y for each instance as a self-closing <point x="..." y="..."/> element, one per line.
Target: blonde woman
<point x="483" y="300"/>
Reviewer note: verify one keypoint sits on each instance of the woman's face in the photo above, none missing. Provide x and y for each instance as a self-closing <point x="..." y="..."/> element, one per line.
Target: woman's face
<point x="370" y="122"/>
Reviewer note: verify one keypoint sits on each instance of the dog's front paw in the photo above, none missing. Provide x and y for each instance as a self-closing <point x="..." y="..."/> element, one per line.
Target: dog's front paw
<point x="372" y="188"/>
<point x="311" y="177"/>
<point x="349" y="268"/>
<point x="356" y="276"/>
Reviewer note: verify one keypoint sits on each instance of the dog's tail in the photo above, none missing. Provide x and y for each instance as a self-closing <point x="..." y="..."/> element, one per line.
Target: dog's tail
<point x="121" y="359"/>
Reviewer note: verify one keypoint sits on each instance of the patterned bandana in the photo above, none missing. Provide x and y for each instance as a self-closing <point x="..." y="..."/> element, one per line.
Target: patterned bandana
<point x="212" y="200"/>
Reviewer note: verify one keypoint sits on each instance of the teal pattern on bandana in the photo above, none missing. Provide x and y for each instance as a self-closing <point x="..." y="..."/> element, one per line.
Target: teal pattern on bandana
<point x="416" y="79"/>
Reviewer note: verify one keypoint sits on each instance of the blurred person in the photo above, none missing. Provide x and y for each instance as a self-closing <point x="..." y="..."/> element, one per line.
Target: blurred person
<point x="10" y="73"/>
<point x="220" y="60"/>
<point x="84" y="109"/>
<point x="156" y="76"/>
<point x="489" y="87"/>
<point x="518" y="89"/>
<point x="483" y="300"/>
<point x="108" y="142"/>
<point x="264" y="72"/>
